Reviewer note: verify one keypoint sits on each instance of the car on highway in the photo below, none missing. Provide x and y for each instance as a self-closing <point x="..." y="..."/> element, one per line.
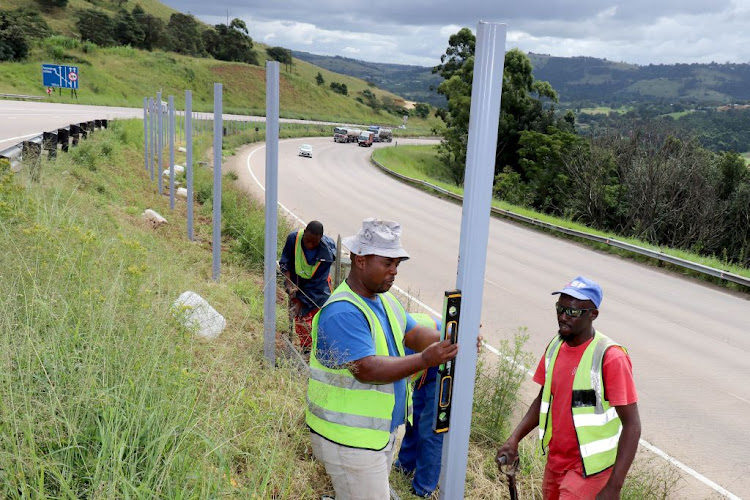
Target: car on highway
<point x="306" y="150"/>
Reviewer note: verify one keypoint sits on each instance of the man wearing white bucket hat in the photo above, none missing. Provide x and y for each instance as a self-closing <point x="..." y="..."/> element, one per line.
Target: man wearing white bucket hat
<point x="358" y="396"/>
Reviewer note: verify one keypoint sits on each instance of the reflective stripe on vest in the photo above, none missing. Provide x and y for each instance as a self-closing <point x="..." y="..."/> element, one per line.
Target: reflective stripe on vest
<point x="301" y="267"/>
<point x="596" y="423"/>
<point x="343" y="409"/>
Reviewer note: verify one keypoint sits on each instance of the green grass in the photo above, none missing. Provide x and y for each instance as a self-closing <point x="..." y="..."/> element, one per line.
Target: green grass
<point x="419" y="162"/>
<point x="104" y="394"/>
<point x="605" y="110"/>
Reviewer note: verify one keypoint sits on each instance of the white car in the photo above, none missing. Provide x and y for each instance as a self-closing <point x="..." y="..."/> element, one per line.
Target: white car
<point x="305" y="150"/>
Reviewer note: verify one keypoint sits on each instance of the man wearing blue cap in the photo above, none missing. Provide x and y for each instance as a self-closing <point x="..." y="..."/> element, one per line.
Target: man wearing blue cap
<point x="588" y="399"/>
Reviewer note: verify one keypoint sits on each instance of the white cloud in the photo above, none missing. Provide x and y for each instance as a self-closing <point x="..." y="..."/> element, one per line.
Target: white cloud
<point x="638" y="31"/>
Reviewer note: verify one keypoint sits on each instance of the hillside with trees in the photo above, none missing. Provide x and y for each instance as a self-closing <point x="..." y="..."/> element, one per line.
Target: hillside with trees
<point x="653" y="182"/>
<point x="173" y="51"/>
<point x="414" y="83"/>
<point x="580" y="82"/>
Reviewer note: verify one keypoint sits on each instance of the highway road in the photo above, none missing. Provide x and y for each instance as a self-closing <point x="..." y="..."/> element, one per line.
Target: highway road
<point x="689" y="341"/>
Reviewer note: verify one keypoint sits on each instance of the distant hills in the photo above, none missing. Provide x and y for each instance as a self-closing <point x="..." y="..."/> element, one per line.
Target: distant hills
<point x="410" y="82"/>
<point x="579" y="81"/>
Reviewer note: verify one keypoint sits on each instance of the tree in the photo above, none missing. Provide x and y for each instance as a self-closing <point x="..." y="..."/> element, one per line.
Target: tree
<point x="30" y="22"/>
<point x="184" y="35"/>
<point x="128" y="31"/>
<point x="96" y="27"/>
<point x="13" y="43"/>
<point x="319" y="79"/>
<point x="53" y="4"/>
<point x="339" y="88"/>
<point x="527" y="105"/>
<point x="422" y="110"/>
<point x="230" y="42"/>
<point x="282" y="55"/>
<point x="154" y="29"/>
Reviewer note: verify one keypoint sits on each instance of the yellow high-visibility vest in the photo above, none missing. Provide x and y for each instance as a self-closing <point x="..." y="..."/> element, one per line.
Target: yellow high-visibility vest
<point x="339" y="407"/>
<point x="597" y="425"/>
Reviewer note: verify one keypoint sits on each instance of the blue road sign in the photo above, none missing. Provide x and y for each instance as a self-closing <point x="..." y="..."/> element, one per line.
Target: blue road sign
<point x="54" y="75"/>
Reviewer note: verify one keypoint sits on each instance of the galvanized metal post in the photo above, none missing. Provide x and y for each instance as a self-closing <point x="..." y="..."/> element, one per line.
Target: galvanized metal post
<point x="171" y="152"/>
<point x="217" y="181"/>
<point x="272" y="201"/>
<point x="145" y="133"/>
<point x="160" y="145"/>
<point x="189" y="160"/>
<point x="152" y="135"/>
<point x="472" y="255"/>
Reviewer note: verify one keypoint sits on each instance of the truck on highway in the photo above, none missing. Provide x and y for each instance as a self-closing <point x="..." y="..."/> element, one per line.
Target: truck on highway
<point x="345" y="134"/>
<point x="365" y="138"/>
<point x="385" y="135"/>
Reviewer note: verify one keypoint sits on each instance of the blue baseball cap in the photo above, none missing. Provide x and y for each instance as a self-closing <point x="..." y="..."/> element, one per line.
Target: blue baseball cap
<point x="583" y="289"/>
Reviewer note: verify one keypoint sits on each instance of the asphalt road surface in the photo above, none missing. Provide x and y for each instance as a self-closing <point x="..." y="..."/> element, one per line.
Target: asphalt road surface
<point x="689" y="341"/>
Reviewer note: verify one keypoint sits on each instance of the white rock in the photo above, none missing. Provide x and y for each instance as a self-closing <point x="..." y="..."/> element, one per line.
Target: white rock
<point x="182" y="150"/>
<point x="182" y="193"/>
<point x="196" y="314"/>
<point x="153" y="218"/>
<point x="178" y="169"/>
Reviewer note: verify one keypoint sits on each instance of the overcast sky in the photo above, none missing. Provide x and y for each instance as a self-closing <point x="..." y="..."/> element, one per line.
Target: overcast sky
<point x="417" y="32"/>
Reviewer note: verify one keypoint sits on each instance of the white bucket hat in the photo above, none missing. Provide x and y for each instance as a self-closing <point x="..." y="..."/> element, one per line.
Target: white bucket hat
<point x="377" y="237"/>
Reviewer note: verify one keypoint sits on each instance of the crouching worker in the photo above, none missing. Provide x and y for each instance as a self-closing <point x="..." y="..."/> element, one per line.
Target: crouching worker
<point x="358" y="393"/>
<point x="306" y="264"/>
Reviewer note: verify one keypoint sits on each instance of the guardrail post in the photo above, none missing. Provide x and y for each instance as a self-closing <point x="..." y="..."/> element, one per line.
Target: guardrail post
<point x="31" y="155"/>
<point x="84" y="127"/>
<point x="49" y="142"/>
<point x="75" y="133"/>
<point x="63" y="137"/>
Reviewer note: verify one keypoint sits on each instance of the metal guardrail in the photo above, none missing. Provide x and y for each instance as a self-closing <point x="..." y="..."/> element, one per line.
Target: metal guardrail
<point x="64" y="137"/>
<point x="21" y="96"/>
<point x="654" y="254"/>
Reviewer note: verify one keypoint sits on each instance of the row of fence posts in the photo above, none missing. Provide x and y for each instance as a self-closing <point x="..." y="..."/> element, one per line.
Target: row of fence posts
<point x="157" y="134"/>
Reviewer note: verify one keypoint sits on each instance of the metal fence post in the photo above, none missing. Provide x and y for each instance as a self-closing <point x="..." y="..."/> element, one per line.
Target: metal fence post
<point x="217" y="181"/>
<point x="272" y="200"/>
<point x="189" y="160"/>
<point x="145" y="133"/>
<point x="171" y="152"/>
<point x="160" y="144"/>
<point x="472" y="256"/>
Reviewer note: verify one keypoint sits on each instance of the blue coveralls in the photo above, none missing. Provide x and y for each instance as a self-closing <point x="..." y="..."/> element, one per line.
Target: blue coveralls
<point x="422" y="449"/>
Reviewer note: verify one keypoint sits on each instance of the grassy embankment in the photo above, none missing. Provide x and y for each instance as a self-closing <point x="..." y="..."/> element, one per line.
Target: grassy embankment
<point x="420" y="162"/>
<point x="123" y="76"/>
<point x="104" y="394"/>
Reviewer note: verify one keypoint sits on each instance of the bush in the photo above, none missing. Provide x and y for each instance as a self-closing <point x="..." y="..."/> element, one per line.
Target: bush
<point x="496" y="391"/>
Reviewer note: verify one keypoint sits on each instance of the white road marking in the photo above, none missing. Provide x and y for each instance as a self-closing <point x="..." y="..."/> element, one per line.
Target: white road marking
<point x="19" y="137"/>
<point x="691" y="472"/>
<point x="738" y="397"/>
